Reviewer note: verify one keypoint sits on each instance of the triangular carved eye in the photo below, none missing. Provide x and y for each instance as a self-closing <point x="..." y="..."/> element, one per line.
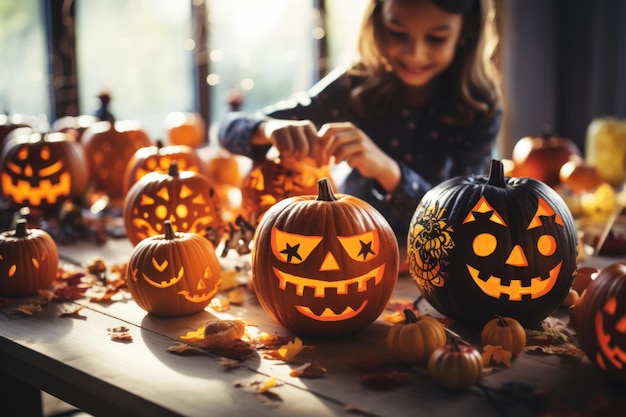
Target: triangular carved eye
<point x="544" y="209"/>
<point x="484" y="207"/>
<point x="292" y="248"/>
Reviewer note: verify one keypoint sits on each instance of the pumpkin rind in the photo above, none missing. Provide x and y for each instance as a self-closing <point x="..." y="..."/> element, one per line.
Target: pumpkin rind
<point x="324" y="265"/>
<point x="416" y="338"/>
<point x="455" y="366"/>
<point x="29" y="261"/>
<point x="601" y="321"/>
<point x="506" y="332"/>
<point x="173" y="274"/>
<point x="485" y="245"/>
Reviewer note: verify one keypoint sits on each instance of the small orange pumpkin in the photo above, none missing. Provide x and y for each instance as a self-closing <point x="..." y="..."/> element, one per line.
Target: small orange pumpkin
<point x="416" y="338"/>
<point x="29" y="261"/>
<point x="506" y="332"/>
<point x="455" y="366"/>
<point x="185" y="128"/>
<point x="173" y="274"/>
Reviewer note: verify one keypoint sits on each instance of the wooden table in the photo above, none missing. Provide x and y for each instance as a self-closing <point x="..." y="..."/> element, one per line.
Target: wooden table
<point x="75" y="360"/>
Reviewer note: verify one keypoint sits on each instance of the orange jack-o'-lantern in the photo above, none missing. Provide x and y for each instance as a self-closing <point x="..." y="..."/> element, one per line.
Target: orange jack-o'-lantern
<point x="29" y="261"/>
<point x="173" y="274"/>
<point x="109" y="146"/>
<point x="273" y="180"/>
<point x="186" y="198"/>
<point x="601" y="321"/>
<point x="158" y="158"/>
<point x="480" y="246"/>
<point x="43" y="170"/>
<point x="324" y="265"/>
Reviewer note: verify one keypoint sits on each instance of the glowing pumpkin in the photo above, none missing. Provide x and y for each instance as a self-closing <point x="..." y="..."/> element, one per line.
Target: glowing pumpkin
<point x="324" y="265"/>
<point x="43" y="170"/>
<point x="29" y="261"/>
<point x="158" y="158"/>
<point x="186" y="198"/>
<point x="485" y="245"/>
<point x="173" y="274"/>
<point x="109" y="146"/>
<point x="272" y="180"/>
<point x="601" y="321"/>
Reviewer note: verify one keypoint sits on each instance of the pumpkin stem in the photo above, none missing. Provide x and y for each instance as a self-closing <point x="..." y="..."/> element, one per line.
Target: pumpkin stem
<point x="410" y="316"/>
<point x="496" y="174"/>
<point x="325" y="190"/>
<point x="20" y="229"/>
<point x="159" y="143"/>
<point x="169" y="230"/>
<point x="501" y="321"/>
<point x="173" y="171"/>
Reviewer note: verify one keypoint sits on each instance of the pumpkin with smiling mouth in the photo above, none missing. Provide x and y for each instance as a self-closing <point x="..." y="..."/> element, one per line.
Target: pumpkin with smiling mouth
<point x="484" y="245"/>
<point x="324" y="265"/>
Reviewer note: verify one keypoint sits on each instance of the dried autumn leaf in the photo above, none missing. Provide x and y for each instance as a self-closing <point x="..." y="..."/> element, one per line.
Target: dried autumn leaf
<point x="269" y="341"/>
<point x="286" y="352"/>
<point x="309" y="370"/>
<point x="28" y="309"/>
<point x="119" y="334"/>
<point x="219" y="304"/>
<point x="73" y="312"/>
<point x="496" y="355"/>
<point x="569" y="353"/>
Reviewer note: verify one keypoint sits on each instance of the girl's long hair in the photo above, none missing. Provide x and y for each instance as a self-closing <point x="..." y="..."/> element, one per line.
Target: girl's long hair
<point x="467" y="90"/>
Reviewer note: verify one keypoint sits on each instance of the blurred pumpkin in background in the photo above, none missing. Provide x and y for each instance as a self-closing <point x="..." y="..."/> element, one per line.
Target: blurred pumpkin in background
<point x="605" y="148"/>
<point x="186" y="128"/>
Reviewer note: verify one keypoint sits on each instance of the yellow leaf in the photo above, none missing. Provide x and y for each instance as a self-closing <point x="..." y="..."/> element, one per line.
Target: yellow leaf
<point x="194" y="336"/>
<point x="290" y="350"/>
<point x="269" y="383"/>
<point x="497" y="354"/>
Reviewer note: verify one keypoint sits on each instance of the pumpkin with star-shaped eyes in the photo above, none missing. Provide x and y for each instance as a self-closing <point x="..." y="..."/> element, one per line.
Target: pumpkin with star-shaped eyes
<point x="29" y="260"/>
<point x="186" y="198"/>
<point x="273" y="180"/>
<point x="484" y="245"/>
<point x="173" y="274"/>
<point x="601" y="320"/>
<point x="324" y="265"/>
<point x="42" y="170"/>
<point x="158" y="157"/>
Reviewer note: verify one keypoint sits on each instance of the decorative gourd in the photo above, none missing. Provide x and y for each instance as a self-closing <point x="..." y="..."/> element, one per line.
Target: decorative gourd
<point x="173" y="274"/>
<point x="273" y="180"/>
<point x="109" y="146"/>
<point x="29" y="261"/>
<point x="324" y="265"/>
<point x="158" y="158"/>
<point x="601" y="321"/>
<point x="186" y="198"/>
<point x="416" y="338"/>
<point x="455" y="366"/>
<point x="185" y="128"/>
<point x="506" y="332"/>
<point x="43" y="170"/>
<point x="485" y="245"/>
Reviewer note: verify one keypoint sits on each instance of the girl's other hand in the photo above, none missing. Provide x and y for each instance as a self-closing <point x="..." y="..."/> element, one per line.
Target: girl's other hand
<point x="297" y="139"/>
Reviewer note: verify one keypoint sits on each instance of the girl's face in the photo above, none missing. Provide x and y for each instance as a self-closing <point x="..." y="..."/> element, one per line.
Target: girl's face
<point x="420" y="39"/>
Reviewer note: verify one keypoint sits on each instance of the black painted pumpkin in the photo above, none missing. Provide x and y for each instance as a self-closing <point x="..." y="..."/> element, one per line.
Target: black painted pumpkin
<point x="485" y="245"/>
<point x="601" y="321"/>
<point x="324" y="265"/>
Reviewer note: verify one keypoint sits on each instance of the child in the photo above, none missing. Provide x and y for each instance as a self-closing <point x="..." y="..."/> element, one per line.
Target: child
<point x="421" y="104"/>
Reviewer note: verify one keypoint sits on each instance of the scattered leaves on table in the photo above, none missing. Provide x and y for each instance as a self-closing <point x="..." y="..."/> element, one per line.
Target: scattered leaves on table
<point x="569" y="353"/>
<point x="120" y="334"/>
<point x="28" y="309"/>
<point x="73" y="311"/>
<point x="261" y="388"/>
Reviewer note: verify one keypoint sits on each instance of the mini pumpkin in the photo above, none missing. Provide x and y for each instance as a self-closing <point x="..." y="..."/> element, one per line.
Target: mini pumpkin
<point x="185" y="128"/>
<point x="43" y="170"/>
<point x="601" y="321"/>
<point x="29" y="260"/>
<point x="186" y="198"/>
<point x="485" y="245"/>
<point x="413" y="340"/>
<point x="325" y="264"/>
<point x="505" y="332"/>
<point x="456" y="366"/>
<point x="174" y="273"/>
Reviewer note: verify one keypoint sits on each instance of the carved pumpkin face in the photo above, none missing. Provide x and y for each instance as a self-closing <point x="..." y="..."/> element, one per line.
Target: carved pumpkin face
<point x="324" y="267"/>
<point x="42" y="170"/>
<point x="601" y="321"/>
<point x="174" y="274"/>
<point x="29" y="261"/>
<point x="185" y="198"/>
<point x="271" y="181"/>
<point x="481" y="246"/>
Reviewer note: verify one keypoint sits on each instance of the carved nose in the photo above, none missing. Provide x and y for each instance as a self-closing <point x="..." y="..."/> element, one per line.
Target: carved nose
<point x="330" y="263"/>
<point x="517" y="257"/>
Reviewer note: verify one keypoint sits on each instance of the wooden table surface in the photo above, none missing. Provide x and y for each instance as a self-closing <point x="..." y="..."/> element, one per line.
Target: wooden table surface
<point x="74" y="359"/>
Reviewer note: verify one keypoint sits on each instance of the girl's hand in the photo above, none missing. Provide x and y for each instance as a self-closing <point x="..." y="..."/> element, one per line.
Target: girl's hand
<point x="293" y="139"/>
<point x="346" y="142"/>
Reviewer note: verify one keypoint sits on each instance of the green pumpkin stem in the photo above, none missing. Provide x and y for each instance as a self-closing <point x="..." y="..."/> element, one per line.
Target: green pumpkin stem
<point x="173" y="171"/>
<point x="325" y="190"/>
<point x="410" y="316"/>
<point x="20" y="229"/>
<point x="169" y="230"/>
<point x="496" y="174"/>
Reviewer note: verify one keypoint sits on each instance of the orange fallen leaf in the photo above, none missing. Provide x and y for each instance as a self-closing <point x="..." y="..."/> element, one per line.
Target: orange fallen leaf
<point x="286" y="352"/>
<point x="28" y="309"/>
<point x="119" y="334"/>
<point x="73" y="312"/>
<point x="496" y="355"/>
